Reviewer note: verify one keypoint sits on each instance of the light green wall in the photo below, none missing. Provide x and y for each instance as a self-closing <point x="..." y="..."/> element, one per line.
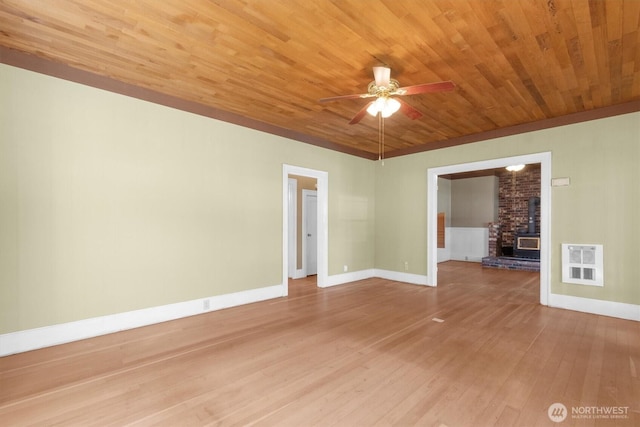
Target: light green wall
<point x="111" y="204"/>
<point x="601" y="206"/>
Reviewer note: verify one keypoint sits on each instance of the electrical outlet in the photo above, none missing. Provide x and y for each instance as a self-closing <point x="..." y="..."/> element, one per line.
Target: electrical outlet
<point x="345" y="268"/>
<point x="205" y="304"/>
<point x="406" y="266"/>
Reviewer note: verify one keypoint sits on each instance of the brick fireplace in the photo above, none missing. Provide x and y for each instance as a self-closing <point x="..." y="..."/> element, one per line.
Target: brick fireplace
<point x="514" y="240"/>
<point x="515" y="189"/>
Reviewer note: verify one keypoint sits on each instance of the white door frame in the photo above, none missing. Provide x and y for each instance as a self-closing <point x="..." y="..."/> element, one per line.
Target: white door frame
<point x="545" y="211"/>
<point x="292" y="202"/>
<point x="322" y="180"/>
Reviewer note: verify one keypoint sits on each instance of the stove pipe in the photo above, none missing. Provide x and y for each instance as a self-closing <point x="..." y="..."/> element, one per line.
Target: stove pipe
<point x="533" y="202"/>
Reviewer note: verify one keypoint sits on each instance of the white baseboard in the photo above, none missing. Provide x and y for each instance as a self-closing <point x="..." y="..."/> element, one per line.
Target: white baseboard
<point x="353" y="276"/>
<point x="587" y="305"/>
<point x="32" y="339"/>
<point x="415" y="279"/>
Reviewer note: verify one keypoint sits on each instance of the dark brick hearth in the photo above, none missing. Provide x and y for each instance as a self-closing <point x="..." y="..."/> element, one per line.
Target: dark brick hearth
<point x="511" y="263"/>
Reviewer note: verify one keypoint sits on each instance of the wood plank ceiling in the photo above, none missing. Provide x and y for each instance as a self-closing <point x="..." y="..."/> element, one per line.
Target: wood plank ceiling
<point x="517" y="65"/>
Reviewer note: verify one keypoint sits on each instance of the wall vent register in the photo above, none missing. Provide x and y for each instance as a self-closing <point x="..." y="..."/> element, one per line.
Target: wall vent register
<point x="582" y="264"/>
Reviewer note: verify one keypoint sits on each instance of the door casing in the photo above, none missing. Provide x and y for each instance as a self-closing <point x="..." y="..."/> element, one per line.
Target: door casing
<point x="544" y="159"/>
<point x="322" y="179"/>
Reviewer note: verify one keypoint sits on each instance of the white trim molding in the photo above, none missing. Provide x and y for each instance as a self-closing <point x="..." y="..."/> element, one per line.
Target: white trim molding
<point x="620" y="310"/>
<point x="47" y="336"/>
<point x="544" y="159"/>
<point x="322" y="180"/>
<point x="32" y="339"/>
<point x="353" y="276"/>
<point x="292" y="211"/>
<point x="399" y="276"/>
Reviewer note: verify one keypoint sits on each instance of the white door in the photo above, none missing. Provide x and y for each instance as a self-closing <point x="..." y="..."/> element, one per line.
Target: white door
<point x="310" y="222"/>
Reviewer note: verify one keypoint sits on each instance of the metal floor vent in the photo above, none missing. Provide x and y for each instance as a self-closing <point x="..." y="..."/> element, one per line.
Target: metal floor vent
<point x="582" y="264"/>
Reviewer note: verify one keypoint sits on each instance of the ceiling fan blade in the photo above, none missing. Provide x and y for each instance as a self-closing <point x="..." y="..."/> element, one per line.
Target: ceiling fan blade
<point x="360" y="114"/>
<point x="338" y="98"/>
<point x="426" y="88"/>
<point x="382" y="76"/>
<point x="408" y="110"/>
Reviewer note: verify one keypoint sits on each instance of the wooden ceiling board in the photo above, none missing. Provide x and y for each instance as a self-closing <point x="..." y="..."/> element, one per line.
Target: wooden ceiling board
<point x="514" y="63"/>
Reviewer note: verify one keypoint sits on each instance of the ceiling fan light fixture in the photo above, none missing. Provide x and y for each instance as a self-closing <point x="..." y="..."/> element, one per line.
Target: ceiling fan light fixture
<point x="375" y="107"/>
<point x="385" y="90"/>
<point x="391" y="106"/>
<point x="384" y="105"/>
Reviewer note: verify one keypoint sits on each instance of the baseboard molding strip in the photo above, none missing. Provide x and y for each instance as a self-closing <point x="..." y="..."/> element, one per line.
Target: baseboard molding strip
<point x="47" y="336"/>
<point x="398" y="276"/>
<point x="33" y="339"/>
<point x="353" y="276"/>
<point x="414" y="279"/>
<point x="593" y="306"/>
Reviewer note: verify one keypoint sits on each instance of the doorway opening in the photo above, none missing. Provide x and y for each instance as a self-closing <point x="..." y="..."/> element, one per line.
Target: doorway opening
<point x="305" y="222"/>
<point x="303" y="226"/>
<point x="309" y="234"/>
<point x="491" y="216"/>
<point x="544" y="159"/>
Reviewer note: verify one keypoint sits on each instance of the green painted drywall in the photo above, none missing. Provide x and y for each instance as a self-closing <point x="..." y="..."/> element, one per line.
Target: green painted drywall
<point x="601" y="206"/>
<point x="111" y="204"/>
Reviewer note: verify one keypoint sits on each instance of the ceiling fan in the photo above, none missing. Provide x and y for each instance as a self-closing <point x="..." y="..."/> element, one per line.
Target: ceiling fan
<point x="385" y="89"/>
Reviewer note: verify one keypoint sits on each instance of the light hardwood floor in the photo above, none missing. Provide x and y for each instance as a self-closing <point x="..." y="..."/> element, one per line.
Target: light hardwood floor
<point x="361" y="354"/>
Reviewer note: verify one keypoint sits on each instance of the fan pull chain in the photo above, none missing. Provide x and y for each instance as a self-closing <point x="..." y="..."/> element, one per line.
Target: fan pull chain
<point x="381" y="138"/>
<point x="382" y="120"/>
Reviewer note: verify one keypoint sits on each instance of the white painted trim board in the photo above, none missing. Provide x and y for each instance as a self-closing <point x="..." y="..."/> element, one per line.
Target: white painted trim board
<point x="47" y="336"/>
<point x="32" y="339"/>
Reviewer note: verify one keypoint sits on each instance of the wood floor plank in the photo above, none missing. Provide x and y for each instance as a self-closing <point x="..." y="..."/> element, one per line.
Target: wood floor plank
<point x="365" y="353"/>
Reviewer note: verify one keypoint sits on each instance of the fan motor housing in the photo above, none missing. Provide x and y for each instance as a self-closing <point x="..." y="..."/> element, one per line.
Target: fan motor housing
<point x="378" y="91"/>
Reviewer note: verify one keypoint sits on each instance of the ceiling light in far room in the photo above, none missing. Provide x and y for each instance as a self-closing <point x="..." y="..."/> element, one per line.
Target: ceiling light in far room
<point x="384" y="105"/>
<point x="515" y="168"/>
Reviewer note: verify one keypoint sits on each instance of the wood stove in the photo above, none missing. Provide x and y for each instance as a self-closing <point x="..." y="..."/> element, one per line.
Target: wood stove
<point x="527" y="242"/>
<point x="527" y="245"/>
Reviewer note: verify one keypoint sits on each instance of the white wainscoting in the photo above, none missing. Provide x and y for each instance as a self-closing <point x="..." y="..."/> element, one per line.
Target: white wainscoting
<point x="444" y="254"/>
<point x="469" y="243"/>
